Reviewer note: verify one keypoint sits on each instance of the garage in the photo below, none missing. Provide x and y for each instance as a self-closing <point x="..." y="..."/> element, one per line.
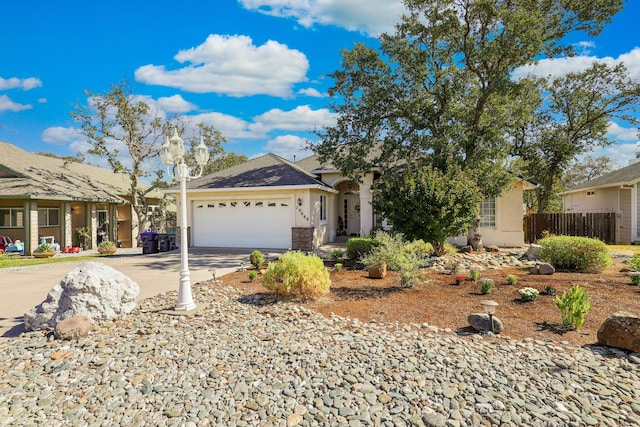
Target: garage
<point x="249" y="223"/>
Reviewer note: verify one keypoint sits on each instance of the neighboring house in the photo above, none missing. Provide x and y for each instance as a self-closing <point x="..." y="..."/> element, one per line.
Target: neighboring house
<point x="615" y="192"/>
<point x="47" y="196"/>
<point x="269" y="202"/>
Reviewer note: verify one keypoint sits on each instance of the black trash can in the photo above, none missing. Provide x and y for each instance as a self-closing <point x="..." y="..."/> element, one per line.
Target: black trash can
<point x="149" y="242"/>
<point x="164" y="244"/>
<point x="172" y="241"/>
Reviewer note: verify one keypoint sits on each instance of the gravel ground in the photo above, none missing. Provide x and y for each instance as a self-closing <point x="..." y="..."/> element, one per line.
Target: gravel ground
<point x="236" y="363"/>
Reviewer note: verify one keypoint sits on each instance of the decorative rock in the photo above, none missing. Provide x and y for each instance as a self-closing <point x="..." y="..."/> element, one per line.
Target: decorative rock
<point x="466" y="249"/>
<point x="533" y="253"/>
<point x="543" y="268"/>
<point x="492" y="248"/>
<point x="378" y="271"/>
<point x="72" y="328"/>
<point x="480" y="322"/>
<point x="621" y="330"/>
<point x="92" y="289"/>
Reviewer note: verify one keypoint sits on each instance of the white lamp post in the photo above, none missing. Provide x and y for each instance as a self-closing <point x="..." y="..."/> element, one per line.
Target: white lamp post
<point x="172" y="154"/>
<point x="489" y="307"/>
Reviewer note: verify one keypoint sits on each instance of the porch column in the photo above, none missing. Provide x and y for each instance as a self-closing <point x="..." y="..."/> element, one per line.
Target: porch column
<point x="67" y="238"/>
<point x="366" y="207"/>
<point x="32" y="237"/>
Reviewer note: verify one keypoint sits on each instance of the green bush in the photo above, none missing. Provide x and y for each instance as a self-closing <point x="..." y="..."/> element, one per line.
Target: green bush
<point x="474" y="275"/>
<point x="297" y="274"/>
<point x="635" y="279"/>
<point x="359" y="247"/>
<point x="486" y="285"/>
<point x="512" y="279"/>
<point x="252" y="275"/>
<point x="634" y="263"/>
<point x="256" y="258"/>
<point x="419" y="247"/>
<point x="580" y="254"/>
<point x="528" y="294"/>
<point x="574" y="306"/>
<point x="337" y="254"/>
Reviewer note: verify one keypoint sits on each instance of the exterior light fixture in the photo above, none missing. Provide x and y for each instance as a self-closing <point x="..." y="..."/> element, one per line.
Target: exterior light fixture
<point x="299" y="201"/>
<point x="172" y="155"/>
<point x="489" y="307"/>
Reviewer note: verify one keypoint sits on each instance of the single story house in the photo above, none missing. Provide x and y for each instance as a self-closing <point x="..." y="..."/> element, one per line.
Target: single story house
<point x="269" y="202"/>
<point x="45" y="196"/>
<point x="615" y="192"/>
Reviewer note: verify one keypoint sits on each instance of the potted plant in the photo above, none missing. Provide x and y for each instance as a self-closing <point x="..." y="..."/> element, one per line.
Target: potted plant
<point x="83" y="237"/>
<point x="45" y="250"/>
<point x="107" y="247"/>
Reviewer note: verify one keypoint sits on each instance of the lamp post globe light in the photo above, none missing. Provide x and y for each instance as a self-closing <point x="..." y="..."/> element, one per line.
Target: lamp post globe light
<point x="172" y="155"/>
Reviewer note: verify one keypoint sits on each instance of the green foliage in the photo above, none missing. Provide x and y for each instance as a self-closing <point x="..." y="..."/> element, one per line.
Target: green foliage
<point x="474" y="275"/>
<point x="44" y="248"/>
<point x="419" y="247"/>
<point x="297" y="274"/>
<point x="512" y="279"/>
<point x="256" y="258"/>
<point x="252" y="275"/>
<point x="580" y="254"/>
<point x="550" y="290"/>
<point x="634" y="262"/>
<point x="424" y="203"/>
<point x="486" y="285"/>
<point x="338" y="266"/>
<point x="574" y="306"/>
<point x="635" y="279"/>
<point x="106" y="244"/>
<point x="392" y="250"/>
<point x="528" y="294"/>
<point x="358" y="247"/>
<point x="337" y="254"/>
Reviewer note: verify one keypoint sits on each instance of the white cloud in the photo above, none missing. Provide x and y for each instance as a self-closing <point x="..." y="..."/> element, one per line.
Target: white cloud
<point x="562" y="66"/>
<point x="59" y="135"/>
<point x="620" y="154"/>
<point x="232" y="65"/>
<point x="14" y="82"/>
<point x="301" y="118"/>
<point x="231" y="127"/>
<point x="314" y="93"/>
<point x="584" y="47"/>
<point x="288" y="146"/>
<point x="615" y="131"/>
<point x="175" y="104"/>
<point x="6" y="104"/>
<point x="371" y="17"/>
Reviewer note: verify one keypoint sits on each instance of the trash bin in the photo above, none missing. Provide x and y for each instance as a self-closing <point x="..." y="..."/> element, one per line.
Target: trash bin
<point x="172" y="241"/>
<point x="149" y="242"/>
<point x="164" y="244"/>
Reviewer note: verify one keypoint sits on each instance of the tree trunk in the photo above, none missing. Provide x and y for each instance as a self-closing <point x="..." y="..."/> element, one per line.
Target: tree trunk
<point x="474" y="237"/>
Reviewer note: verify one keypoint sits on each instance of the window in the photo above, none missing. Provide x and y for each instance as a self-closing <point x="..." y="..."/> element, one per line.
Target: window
<point x="488" y="212"/>
<point x="591" y="193"/>
<point x="323" y="208"/>
<point x="48" y="217"/>
<point x="11" y="217"/>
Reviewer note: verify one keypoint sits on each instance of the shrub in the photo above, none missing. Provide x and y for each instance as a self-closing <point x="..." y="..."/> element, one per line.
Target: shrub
<point x="486" y="285"/>
<point x="580" y="254"/>
<point x="574" y="306"/>
<point x="635" y="279"/>
<point x="634" y="262"/>
<point x="297" y="274"/>
<point x="419" y="247"/>
<point x="528" y="294"/>
<point x="44" y="248"/>
<point x="474" y="275"/>
<point x="337" y="254"/>
<point x="338" y="266"/>
<point x="359" y="247"/>
<point x="252" y="275"/>
<point x="512" y="279"/>
<point x="256" y="258"/>
<point x="550" y="290"/>
<point x="459" y="280"/>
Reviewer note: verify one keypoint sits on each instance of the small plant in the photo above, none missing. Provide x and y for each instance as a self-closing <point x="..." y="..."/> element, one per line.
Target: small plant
<point x="528" y="294"/>
<point x="634" y="262"/>
<point x="44" y="248"/>
<point x="474" y="275"/>
<point x="635" y="279"/>
<point x="550" y="290"/>
<point x="486" y="285"/>
<point x="337" y="254"/>
<point x="456" y="269"/>
<point x="256" y="259"/>
<point x="574" y="306"/>
<point x="459" y="280"/>
<point x="408" y="277"/>
<point x="338" y="266"/>
<point x="512" y="279"/>
<point x="107" y="247"/>
<point x="252" y="275"/>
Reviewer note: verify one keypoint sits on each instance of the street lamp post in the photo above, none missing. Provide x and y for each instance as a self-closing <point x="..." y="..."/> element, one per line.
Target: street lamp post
<point x="172" y="154"/>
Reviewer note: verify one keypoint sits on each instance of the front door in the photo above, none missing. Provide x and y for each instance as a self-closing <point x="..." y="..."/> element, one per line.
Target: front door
<point x="351" y="214"/>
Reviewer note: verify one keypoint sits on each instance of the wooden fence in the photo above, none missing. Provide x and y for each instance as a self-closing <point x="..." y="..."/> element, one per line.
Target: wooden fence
<point x="597" y="225"/>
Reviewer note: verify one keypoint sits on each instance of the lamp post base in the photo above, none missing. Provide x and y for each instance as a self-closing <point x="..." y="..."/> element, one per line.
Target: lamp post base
<point x="177" y="312"/>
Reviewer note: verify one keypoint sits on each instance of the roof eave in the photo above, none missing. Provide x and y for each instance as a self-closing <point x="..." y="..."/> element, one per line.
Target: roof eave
<point x="255" y="189"/>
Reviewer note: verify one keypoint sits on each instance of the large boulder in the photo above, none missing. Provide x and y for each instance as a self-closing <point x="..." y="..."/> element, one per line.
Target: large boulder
<point x="621" y="330"/>
<point x="533" y="253"/>
<point x="92" y="289"/>
<point x="543" y="268"/>
<point x="480" y="322"/>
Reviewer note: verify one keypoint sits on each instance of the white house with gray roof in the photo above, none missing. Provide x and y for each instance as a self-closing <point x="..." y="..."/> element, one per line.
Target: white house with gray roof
<point x="615" y="192"/>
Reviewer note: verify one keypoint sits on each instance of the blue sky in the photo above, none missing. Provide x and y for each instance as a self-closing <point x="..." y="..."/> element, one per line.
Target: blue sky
<point x="255" y="69"/>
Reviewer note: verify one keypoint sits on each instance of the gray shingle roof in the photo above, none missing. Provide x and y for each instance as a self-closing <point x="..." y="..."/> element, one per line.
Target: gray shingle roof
<point x="264" y="171"/>
<point x="27" y="175"/>
<point x="628" y="175"/>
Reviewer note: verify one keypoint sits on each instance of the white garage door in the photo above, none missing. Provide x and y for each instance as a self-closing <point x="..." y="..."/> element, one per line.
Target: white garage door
<point x="251" y="223"/>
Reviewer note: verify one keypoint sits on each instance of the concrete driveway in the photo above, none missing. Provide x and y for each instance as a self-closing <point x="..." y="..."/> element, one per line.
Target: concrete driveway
<point x="24" y="288"/>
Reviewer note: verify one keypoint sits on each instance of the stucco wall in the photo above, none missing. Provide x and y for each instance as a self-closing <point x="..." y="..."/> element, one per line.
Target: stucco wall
<point x="604" y="200"/>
